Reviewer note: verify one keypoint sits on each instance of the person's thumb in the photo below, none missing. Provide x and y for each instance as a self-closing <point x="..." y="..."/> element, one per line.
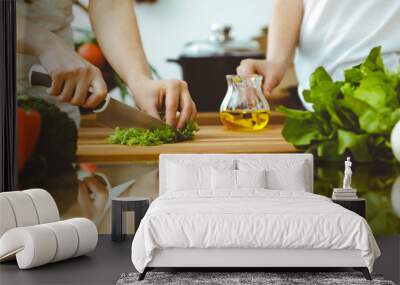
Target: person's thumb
<point x="271" y="80"/>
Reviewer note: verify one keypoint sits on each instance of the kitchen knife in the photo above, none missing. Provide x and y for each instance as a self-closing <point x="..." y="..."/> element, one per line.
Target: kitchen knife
<point x="110" y="112"/>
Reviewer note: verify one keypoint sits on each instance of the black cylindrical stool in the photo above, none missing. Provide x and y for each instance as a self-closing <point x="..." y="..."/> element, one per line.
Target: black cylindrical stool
<point x="139" y="205"/>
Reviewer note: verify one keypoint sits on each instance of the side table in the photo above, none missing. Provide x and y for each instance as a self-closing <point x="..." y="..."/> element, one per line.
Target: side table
<point x="355" y="205"/>
<point x="139" y="205"/>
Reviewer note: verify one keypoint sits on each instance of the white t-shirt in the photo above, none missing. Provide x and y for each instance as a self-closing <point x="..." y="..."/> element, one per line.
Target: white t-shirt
<point x="338" y="34"/>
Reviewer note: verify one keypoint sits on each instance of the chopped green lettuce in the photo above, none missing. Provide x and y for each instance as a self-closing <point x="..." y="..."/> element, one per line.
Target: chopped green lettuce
<point x="135" y="136"/>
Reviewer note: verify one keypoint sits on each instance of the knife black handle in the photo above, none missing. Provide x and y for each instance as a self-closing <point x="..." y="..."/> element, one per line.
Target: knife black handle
<point x="37" y="78"/>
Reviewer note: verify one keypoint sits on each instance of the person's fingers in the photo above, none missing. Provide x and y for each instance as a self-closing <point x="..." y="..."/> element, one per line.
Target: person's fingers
<point x="251" y="96"/>
<point x="194" y="112"/>
<point x="267" y="87"/>
<point x="185" y="106"/>
<point x="68" y="91"/>
<point x="246" y="67"/>
<point x="83" y="199"/>
<point x="83" y="188"/>
<point x="100" y="192"/>
<point x="96" y="186"/>
<point x="270" y="82"/>
<point x="82" y="89"/>
<point x="152" y="111"/>
<point x="56" y="85"/>
<point x="172" y="101"/>
<point x="99" y="91"/>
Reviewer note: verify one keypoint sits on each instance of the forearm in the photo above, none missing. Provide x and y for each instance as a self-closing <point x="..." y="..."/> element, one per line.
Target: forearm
<point x="284" y="30"/>
<point x="114" y="23"/>
<point x="31" y="38"/>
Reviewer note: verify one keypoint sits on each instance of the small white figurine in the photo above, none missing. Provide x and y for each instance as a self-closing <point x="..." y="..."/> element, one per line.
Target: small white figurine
<point x="347" y="174"/>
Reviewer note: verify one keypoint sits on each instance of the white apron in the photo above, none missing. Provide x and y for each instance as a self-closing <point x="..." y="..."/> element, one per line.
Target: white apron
<point x="55" y="16"/>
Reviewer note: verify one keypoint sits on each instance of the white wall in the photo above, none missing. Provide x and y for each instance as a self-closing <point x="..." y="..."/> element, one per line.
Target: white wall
<point x="168" y="24"/>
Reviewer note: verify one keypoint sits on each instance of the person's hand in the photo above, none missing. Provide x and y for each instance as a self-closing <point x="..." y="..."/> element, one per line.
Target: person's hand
<point x="92" y="196"/>
<point x="72" y="75"/>
<point x="272" y="72"/>
<point x="174" y="94"/>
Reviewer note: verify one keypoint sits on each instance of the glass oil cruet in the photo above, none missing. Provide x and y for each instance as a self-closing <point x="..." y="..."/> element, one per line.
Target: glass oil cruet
<point x="244" y="107"/>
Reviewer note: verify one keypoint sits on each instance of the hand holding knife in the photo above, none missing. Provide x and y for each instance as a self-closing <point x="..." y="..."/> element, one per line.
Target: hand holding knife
<point x="110" y="112"/>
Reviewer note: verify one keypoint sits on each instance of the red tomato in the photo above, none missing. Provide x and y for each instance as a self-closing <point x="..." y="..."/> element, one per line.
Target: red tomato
<point x="28" y="131"/>
<point x="89" y="167"/>
<point x="21" y="139"/>
<point x="92" y="53"/>
<point x="33" y="123"/>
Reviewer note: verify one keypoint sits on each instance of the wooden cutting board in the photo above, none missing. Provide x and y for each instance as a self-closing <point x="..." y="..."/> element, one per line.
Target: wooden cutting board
<point x="212" y="138"/>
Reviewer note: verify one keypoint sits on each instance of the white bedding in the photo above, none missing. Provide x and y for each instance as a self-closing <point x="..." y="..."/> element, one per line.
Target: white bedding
<point x="252" y="218"/>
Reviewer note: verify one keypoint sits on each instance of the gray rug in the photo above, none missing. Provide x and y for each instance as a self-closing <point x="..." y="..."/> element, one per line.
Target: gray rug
<point x="243" y="278"/>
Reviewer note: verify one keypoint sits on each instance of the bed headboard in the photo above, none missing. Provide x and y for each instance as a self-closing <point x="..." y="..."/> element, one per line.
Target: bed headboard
<point x="267" y="158"/>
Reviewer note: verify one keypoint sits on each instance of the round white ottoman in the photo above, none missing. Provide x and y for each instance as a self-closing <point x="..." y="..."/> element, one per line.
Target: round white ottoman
<point x="37" y="245"/>
<point x="31" y="233"/>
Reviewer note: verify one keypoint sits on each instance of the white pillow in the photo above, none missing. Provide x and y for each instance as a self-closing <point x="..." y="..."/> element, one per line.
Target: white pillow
<point x="251" y="178"/>
<point x="237" y="179"/>
<point x="281" y="175"/>
<point x="223" y="179"/>
<point x="196" y="176"/>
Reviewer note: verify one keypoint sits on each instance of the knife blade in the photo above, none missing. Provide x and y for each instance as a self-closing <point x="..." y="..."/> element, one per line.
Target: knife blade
<point x="110" y="112"/>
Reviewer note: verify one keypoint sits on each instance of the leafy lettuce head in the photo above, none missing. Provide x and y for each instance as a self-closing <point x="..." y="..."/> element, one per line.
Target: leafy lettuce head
<point x="351" y="117"/>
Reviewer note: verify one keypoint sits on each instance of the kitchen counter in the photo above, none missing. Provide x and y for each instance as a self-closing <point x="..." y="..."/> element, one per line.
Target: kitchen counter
<point x="212" y="138"/>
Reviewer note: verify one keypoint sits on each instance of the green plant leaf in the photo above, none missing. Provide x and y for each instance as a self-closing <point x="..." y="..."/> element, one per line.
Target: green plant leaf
<point x="326" y="150"/>
<point x="353" y="75"/>
<point x="301" y="132"/>
<point x="350" y="117"/>
<point x="373" y="62"/>
<point x="350" y="102"/>
<point x="375" y="90"/>
<point x="295" y="114"/>
<point x="356" y="144"/>
<point x="379" y="121"/>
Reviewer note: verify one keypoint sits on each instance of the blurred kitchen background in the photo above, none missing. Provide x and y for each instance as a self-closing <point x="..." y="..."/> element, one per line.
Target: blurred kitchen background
<point x="206" y="39"/>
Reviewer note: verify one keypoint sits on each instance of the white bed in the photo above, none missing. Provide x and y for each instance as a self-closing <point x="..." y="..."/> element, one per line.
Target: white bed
<point x="198" y="223"/>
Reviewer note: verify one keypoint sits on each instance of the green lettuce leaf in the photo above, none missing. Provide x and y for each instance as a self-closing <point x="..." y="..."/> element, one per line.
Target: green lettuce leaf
<point x="357" y="144"/>
<point x="379" y="121"/>
<point x="351" y="117"/>
<point x="373" y="62"/>
<point x="376" y="90"/>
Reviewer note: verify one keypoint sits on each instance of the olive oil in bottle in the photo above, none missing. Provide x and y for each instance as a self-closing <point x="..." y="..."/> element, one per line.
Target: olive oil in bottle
<point x="244" y="107"/>
<point x="245" y="120"/>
